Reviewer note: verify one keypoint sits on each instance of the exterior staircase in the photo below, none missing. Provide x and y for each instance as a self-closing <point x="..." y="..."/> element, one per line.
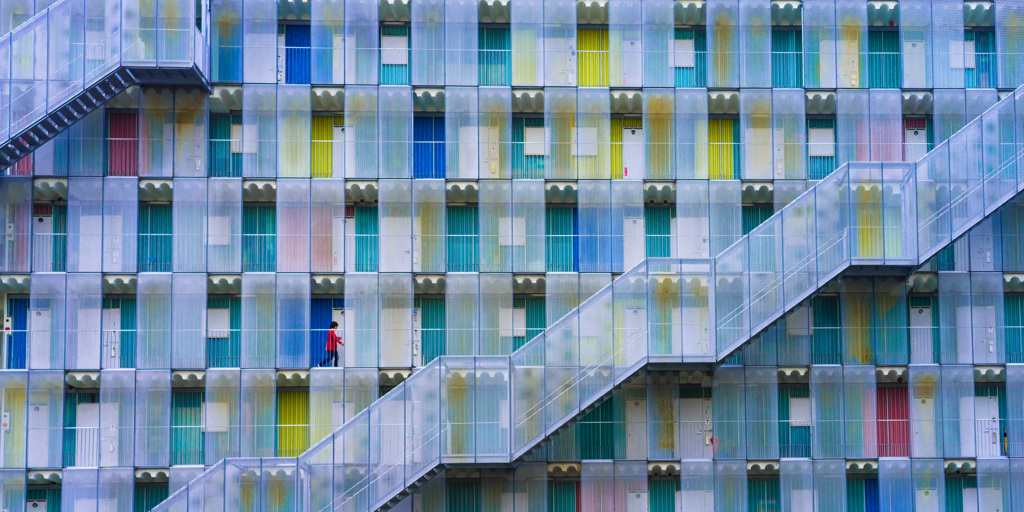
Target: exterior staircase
<point x="64" y="63"/>
<point x="866" y="218"/>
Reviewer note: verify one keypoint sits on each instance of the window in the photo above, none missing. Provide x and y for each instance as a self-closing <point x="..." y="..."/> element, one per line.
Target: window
<point x="394" y="54"/>
<point x="259" y="239"/>
<point x="295" y="63"/>
<point x="463" y="238"/>
<point x="563" y="495"/>
<point x="155" y="237"/>
<point x="1013" y="313"/>
<point x="884" y="58"/>
<point x="226" y="146"/>
<point x="292" y="422"/>
<point x="821" y="147"/>
<point x="924" y="332"/>
<point x="724" y="150"/>
<point x="787" y="57"/>
<point x="794" y="421"/>
<point x="365" y="224"/>
<point x="596" y="435"/>
<point x="659" y="223"/>
<point x="754" y="215"/>
<point x="49" y="237"/>
<point x="495" y="56"/>
<point x="562" y="244"/>
<point x="463" y="495"/>
<point x="763" y="494"/>
<point x="17" y="309"/>
<point x="224" y="332"/>
<point x="186" y="427"/>
<point x="430" y="317"/>
<point x="689" y="57"/>
<point x="327" y="147"/>
<point x="118" y="333"/>
<point x="827" y="333"/>
<point x="428" y="147"/>
<point x="979" y="61"/>
<point x="123" y="144"/>
<point x="990" y="413"/>
<point x="893" y="422"/>
<point x="592" y="62"/>
<point x="861" y="494"/>
<point x="148" y="496"/>
<point x="528" y="148"/>
<point x="528" y="319"/>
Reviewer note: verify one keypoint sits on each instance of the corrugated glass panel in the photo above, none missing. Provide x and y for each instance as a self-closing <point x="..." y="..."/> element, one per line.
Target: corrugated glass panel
<point x="190" y="132"/>
<point x="396" y="132"/>
<point x="259" y="131"/>
<point x="789" y="142"/>
<point x="496" y="318"/>
<point x="1014" y="416"/>
<point x="625" y="61"/>
<point x="895" y="485"/>
<point x="84" y="313"/>
<point x="497" y="243"/>
<point x="527" y="27"/>
<point x="461" y="34"/>
<point x="259" y="41"/>
<point x="559" y="43"/>
<point x="560" y="133"/>
<point x="658" y="28"/>
<point x="724" y="42"/>
<point x="762" y="412"/>
<point x="691" y="134"/>
<point x="396" y="333"/>
<point x="657" y="122"/>
<point x="693" y="214"/>
<point x="830" y="483"/>
<point x="293" y="328"/>
<point x="886" y="125"/>
<point x="462" y="124"/>
<point x="396" y="231"/>
<point x="915" y="48"/>
<point x="987" y="317"/>
<point x="1008" y="37"/>
<point x="890" y="322"/>
<point x="495" y="105"/>
<point x="84" y="224"/>
<point x="947" y="36"/>
<point x="293" y="225"/>
<point x="853" y="125"/>
<point x="257" y="418"/>
<point x="594" y="226"/>
<point x="154" y="322"/>
<point x="327" y="34"/>
<point x="120" y="224"/>
<point x="827" y="409"/>
<point x="46" y="391"/>
<point x="860" y="397"/>
<point x="731" y="486"/>
<point x="756" y="127"/>
<point x="958" y="424"/>
<point x="362" y="305"/>
<point x="16" y="203"/>
<point x="728" y="400"/>
<point x="462" y="294"/>
<point x="528" y="234"/>
<point x="756" y="40"/>
<point x="851" y="48"/>
<point x="293" y="131"/>
<point x="188" y="312"/>
<point x="361" y="132"/>
<point x="258" y="321"/>
<point x="226" y="41"/>
<point x="428" y="42"/>
<point x="361" y="42"/>
<point x="189" y="220"/>
<point x="327" y="225"/>
<point x="152" y="418"/>
<point x="591" y="137"/>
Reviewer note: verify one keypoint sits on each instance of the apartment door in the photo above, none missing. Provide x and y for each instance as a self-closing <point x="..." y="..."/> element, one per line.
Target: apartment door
<point x="111" y="339"/>
<point x="986" y="410"/>
<point x="695" y="428"/>
<point x="921" y="351"/>
<point x="633" y="153"/>
<point x="338" y="315"/>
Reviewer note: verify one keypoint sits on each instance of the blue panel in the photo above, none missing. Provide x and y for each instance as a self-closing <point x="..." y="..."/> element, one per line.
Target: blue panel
<point x="17" y="309"/>
<point x="296" y="54"/>
<point x="428" y="147"/>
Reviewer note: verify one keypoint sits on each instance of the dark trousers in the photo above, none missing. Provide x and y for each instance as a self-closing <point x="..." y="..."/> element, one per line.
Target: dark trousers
<point x="332" y="355"/>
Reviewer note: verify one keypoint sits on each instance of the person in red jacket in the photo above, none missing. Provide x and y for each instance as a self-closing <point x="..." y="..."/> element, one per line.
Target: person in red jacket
<point x="332" y="345"/>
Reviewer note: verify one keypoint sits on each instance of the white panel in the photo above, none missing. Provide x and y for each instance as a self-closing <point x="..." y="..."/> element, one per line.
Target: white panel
<point x="827" y="61"/>
<point x="215" y="417"/>
<point x="468" y="138"/>
<point x="969" y="55"/>
<point x="220" y="230"/>
<point x="967" y="426"/>
<point x="218" y="322"/>
<point x="633" y="163"/>
<point x="821" y="142"/>
<point x="986" y="409"/>
<point x="533" y="141"/>
<point x="39" y="414"/>
<point x="924" y="430"/>
<point x="634" y="243"/>
<point x="683" y="53"/>
<point x="636" y="429"/>
<point x="512" y="231"/>
<point x="586" y="141"/>
<point x="956" y="54"/>
<point x="518" y="322"/>
<point x="88" y="244"/>
<point x="394" y="50"/>
<point x="926" y="499"/>
<point x="799" y="412"/>
<point x="970" y="499"/>
<point x="915" y="144"/>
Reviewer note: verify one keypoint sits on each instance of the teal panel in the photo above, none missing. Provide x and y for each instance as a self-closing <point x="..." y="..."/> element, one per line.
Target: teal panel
<point x="596" y="437"/>
<point x="367" y="231"/>
<point x="697" y="76"/>
<point x="432" y="327"/>
<point x="148" y="496"/>
<point x="50" y="494"/>
<point x="463" y="239"/>
<point x="793" y="441"/>
<point x="60" y="238"/>
<point x="495" y="56"/>
<point x="1013" y="313"/>
<point x="763" y="495"/>
<point x="128" y="334"/>
<point x="259" y="240"/>
<point x="983" y="75"/>
<point x="787" y="58"/>
<point x="72" y="398"/>
<point x="223" y="163"/>
<point x="536" y="320"/>
<point x="661" y="494"/>
<point x="395" y="74"/>
<point x="827" y="336"/>
<point x="884" y="70"/>
<point x="754" y="214"/>
<point x="562" y="496"/>
<point x="945" y="260"/>
<point x="463" y="496"/>
<point x="818" y="167"/>
<point x="525" y="167"/>
<point x="955" y="485"/>
<point x="562" y="245"/>
<point x="155" y="231"/>
<point x="226" y="352"/>
<point x="658" y="231"/>
<point x="186" y="427"/>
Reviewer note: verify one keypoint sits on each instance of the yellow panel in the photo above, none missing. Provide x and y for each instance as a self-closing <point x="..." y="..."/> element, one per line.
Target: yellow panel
<point x="14" y="402"/>
<point x="592" y="59"/>
<point x="323" y="132"/>
<point x="616" y="142"/>
<point x="720" y="149"/>
<point x="292" y="423"/>
<point x="869" y="222"/>
<point x="524" y="57"/>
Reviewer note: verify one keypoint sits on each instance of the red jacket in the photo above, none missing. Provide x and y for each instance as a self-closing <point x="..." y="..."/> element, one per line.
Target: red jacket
<point x="333" y="340"/>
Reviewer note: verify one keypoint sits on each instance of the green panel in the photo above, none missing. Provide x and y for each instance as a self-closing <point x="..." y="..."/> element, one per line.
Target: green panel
<point x="71" y="400"/>
<point x="221" y="352"/>
<point x="395" y="74"/>
<point x="259" y="238"/>
<point x="855" y="496"/>
<point x="60" y="238"/>
<point x="787" y="58"/>
<point x="661" y="494"/>
<point x="128" y="334"/>
<point x="697" y="76"/>
<point x="463" y="496"/>
<point x="149" y="495"/>
<point x="818" y="167"/>
<point x="432" y="327"/>
<point x="463" y="239"/>
<point x="596" y="437"/>
<point x="535" y="318"/>
<point x="186" y="430"/>
<point x="955" y="485"/>
<point x="224" y="163"/>
<point x="884" y="70"/>
<point x="155" y="221"/>
<point x="523" y="166"/>
<point x="754" y="214"/>
<point x="658" y="231"/>
<point x="827" y="336"/>
<point x="495" y="56"/>
<point x="763" y="495"/>
<point x="50" y="494"/>
<point x="793" y="441"/>
<point x="1013" y="312"/>
<point x="932" y="302"/>
<point x="562" y="245"/>
<point x="367" y="231"/>
<point x="562" y="496"/>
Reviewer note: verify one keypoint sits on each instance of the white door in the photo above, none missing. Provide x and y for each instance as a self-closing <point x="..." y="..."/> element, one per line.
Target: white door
<point x="634" y="242"/>
<point x="338" y="150"/>
<point x="338" y="244"/>
<point x="109" y="435"/>
<point x="39" y="435"/>
<point x="696" y="431"/>
<point x="636" y="496"/>
<point x="915" y="144"/>
<point x="39" y="341"/>
<point x="991" y="499"/>
<point x="970" y="499"/>
<point x="914" y="59"/>
<point x="111" y="344"/>
<point x="926" y="500"/>
<point x="986" y="409"/>
<point x="924" y="426"/>
<point x="86" y="440"/>
<point x="984" y="321"/>
<point x="338" y="315"/>
<point x="921" y="335"/>
<point x="633" y="153"/>
<point x="636" y="427"/>
<point x="42" y="243"/>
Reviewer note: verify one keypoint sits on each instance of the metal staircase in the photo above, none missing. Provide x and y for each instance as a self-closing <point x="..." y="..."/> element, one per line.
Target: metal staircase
<point x="68" y="60"/>
<point x="865" y="218"/>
